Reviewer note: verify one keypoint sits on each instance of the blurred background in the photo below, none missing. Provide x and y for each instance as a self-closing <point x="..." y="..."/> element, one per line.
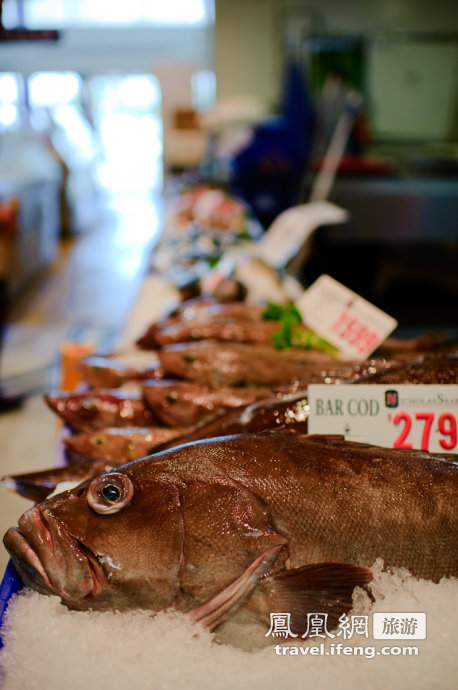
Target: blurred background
<point x="101" y="102"/>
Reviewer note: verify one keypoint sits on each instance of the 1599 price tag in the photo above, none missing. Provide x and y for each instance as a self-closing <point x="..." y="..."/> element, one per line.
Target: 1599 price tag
<point x="355" y="333"/>
<point x="442" y="425"/>
<point x="352" y="324"/>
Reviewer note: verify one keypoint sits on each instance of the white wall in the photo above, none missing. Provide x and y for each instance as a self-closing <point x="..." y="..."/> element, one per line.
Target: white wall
<point x="248" y="33"/>
<point x="245" y="52"/>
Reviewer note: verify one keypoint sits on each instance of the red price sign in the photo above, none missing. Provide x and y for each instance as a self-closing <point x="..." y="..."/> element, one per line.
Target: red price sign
<point x="443" y="426"/>
<point x="355" y="332"/>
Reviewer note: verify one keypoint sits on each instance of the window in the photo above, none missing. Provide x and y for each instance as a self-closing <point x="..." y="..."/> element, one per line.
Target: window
<point x="9" y="100"/>
<point x="59" y="14"/>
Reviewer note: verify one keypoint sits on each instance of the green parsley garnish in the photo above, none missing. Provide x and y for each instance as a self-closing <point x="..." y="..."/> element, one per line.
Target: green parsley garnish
<point x="292" y="332"/>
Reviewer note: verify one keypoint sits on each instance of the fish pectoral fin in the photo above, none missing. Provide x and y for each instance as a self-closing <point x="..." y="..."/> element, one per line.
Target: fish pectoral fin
<point x="325" y="588"/>
<point x="217" y="610"/>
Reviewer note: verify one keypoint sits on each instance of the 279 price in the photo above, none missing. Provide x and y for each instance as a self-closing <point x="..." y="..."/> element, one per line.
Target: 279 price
<point x="355" y="332"/>
<point x="446" y="427"/>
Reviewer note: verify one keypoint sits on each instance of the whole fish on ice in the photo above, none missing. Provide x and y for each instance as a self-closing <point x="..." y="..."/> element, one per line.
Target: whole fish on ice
<point x="243" y="526"/>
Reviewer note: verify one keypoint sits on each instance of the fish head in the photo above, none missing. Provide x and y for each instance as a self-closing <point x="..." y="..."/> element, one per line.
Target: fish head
<point x="106" y="444"/>
<point x="114" y="541"/>
<point x="86" y="442"/>
<point x="80" y="410"/>
<point x="174" y="403"/>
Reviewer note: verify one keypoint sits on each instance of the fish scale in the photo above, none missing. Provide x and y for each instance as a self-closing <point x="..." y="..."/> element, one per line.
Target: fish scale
<point x="404" y="484"/>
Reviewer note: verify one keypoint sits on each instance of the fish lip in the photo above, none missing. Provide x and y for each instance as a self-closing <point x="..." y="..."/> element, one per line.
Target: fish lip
<point x="47" y="555"/>
<point x="25" y="558"/>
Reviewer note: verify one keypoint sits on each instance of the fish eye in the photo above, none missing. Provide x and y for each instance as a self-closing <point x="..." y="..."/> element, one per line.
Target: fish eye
<point x="110" y="493"/>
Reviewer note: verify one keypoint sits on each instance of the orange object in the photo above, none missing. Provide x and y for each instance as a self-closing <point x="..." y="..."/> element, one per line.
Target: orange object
<point x="71" y="354"/>
<point x="8" y="232"/>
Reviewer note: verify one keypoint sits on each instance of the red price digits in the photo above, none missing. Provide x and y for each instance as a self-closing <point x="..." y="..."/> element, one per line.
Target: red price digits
<point x="446" y="426"/>
<point x="352" y="330"/>
<point x="400" y="441"/>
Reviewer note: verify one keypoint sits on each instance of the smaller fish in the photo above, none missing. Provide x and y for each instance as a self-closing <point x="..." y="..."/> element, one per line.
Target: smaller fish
<point x="230" y="330"/>
<point x="100" y="409"/>
<point x="233" y="364"/>
<point x="192" y="313"/>
<point x="440" y="370"/>
<point x="118" y="445"/>
<point x="90" y="453"/>
<point x="186" y="403"/>
<point x="38" y="485"/>
<point x="278" y="411"/>
<point x="429" y="342"/>
<point x="107" y="372"/>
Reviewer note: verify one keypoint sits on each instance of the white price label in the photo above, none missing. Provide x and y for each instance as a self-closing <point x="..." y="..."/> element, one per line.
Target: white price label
<point x="349" y="322"/>
<point x="420" y="416"/>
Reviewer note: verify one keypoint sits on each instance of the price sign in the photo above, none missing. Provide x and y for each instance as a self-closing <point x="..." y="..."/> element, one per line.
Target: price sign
<point x="399" y="416"/>
<point x="352" y="324"/>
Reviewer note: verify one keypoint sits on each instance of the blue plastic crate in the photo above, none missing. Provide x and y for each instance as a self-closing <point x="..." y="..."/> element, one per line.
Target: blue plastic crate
<point x="10" y="584"/>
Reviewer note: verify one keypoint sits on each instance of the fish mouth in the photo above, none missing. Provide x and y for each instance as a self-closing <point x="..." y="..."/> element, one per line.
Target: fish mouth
<point x="27" y="562"/>
<point x="50" y="560"/>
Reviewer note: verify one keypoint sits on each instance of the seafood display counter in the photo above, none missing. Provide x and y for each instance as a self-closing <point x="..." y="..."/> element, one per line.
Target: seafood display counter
<point x="234" y="540"/>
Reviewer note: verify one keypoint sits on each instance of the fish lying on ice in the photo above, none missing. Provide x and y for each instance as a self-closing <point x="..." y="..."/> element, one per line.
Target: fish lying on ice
<point x="107" y="372"/>
<point x="198" y="311"/>
<point x="38" y="485"/>
<point x="291" y="411"/>
<point x="291" y="408"/>
<point x="119" y="444"/>
<point x="227" y="329"/>
<point x="186" y="403"/>
<point x="100" y="409"/>
<point x="232" y="364"/>
<point x="213" y="365"/>
<point x="243" y="526"/>
<point x="442" y="369"/>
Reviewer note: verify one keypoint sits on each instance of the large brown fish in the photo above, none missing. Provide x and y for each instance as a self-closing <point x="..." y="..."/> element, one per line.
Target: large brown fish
<point x="243" y="526"/>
